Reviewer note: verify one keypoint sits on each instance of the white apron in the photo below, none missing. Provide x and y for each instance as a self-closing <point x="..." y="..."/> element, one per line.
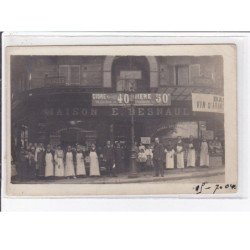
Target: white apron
<point x="49" y="165"/>
<point x="69" y="165"/>
<point x="80" y="166"/>
<point x="59" y="166"/>
<point x="180" y="157"/>
<point x="169" y="159"/>
<point x="191" y="156"/>
<point x="94" y="164"/>
<point x="204" y="156"/>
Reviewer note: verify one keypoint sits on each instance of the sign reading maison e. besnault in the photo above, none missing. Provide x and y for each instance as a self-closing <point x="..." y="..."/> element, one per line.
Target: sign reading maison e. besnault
<point x="207" y="103"/>
<point x="138" y="99"/>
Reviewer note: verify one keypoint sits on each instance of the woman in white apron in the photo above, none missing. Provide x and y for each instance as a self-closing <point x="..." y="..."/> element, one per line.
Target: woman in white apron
<point x="94" y="163"/>
<point x="69" y="163"/>
<point x="59" y="164"/>
<point x="80" y="166"/>
<point x="204" y="155"/>
<point x="180" y="153"/>
<point x="169" y="157"/>
<point x="191" y="153"/>
<point x="49" y="163"/>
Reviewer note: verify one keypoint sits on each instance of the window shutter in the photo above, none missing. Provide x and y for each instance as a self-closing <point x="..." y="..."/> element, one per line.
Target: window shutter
<point x="64" y="72"/>
<point x="75" y="74"/>
<point x="183" y="75"/>
<point x="194" y="73"/>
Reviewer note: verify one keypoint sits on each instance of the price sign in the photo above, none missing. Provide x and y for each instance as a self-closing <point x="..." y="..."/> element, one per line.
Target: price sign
<point x="138" y="99"/>
<point x="145" y="140"/>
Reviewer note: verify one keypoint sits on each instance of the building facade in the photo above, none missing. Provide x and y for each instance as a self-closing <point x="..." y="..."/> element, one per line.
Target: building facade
<point x="51" y="98"/>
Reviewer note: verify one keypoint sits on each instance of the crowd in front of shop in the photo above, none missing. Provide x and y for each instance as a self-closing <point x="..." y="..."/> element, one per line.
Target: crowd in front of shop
<point x="40" y="162"/>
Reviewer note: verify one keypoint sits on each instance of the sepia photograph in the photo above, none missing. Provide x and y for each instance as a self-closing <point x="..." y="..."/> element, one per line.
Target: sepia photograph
<point x="121" y="120"/>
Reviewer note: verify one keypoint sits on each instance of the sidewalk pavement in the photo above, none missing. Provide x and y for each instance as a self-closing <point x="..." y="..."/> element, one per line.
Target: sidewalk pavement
<point x="186" y="175"/>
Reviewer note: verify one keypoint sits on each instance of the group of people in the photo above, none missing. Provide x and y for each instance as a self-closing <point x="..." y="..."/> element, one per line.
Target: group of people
<point x="165" y="158"/>
<point x="38" y="161"/>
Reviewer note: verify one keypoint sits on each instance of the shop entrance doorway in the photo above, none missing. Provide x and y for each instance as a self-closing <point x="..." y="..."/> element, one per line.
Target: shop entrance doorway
<point x="75" y="135"/>
<point x="69" y="137"/>
<point x="122" y="131"/>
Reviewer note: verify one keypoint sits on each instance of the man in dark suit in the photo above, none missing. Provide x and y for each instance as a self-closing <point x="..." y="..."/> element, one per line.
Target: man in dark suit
<point x="158" y="158"/>
<point x="108" y="158"/>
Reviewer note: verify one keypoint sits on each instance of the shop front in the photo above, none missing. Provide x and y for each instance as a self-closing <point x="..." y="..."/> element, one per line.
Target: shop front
<point x="75" y="120"/>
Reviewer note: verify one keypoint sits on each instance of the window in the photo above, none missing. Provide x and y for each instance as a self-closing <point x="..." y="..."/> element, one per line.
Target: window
<point x="128" y="80"/>
<point x="71" y="74"/>
<point x="182" y="75"/>
<point x="186" y="74"/>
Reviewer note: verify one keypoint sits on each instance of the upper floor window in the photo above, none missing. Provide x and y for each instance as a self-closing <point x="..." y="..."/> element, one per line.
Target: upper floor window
<point x="183" y="75"/>
<point x="71" y="74"/>
<point x="130" y="73"/>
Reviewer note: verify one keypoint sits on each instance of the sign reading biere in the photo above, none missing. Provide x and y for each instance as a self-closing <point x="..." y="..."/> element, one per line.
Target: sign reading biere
<point x="138" y="99"/>
<point x="207" y="103"/>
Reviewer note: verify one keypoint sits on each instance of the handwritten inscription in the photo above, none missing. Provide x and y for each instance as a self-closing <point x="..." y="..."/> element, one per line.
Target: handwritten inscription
<point x="205" y="187"/>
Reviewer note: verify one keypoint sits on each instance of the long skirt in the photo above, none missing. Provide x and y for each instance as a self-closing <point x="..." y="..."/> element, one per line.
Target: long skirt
<point x="94" y="164"/>
<point x="80" y="166"/>
<point x="69" y="165"/>
<point x="180" y="160"/>
<point x="59" y="167"/>
<point x="49" y="166"/>
<point x="169" y="160"/>
<point x="191" y="158"/>
<point x="204" y="159"/>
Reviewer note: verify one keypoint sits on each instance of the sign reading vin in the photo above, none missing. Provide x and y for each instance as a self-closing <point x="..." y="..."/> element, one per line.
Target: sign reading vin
<point x="138" y="99"/>
<point x="207" y="103"/>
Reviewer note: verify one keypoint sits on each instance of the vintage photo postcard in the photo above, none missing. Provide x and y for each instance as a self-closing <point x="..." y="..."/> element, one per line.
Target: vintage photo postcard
<point x="120" y="120"/>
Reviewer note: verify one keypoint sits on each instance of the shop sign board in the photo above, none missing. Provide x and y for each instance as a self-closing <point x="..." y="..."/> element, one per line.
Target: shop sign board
<point x="130" y="74"/>
<point x="81" y="112"/>
<point x="207" y="103"/>
<point x="145" y="140"/>
<point x="138" y="99"/>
